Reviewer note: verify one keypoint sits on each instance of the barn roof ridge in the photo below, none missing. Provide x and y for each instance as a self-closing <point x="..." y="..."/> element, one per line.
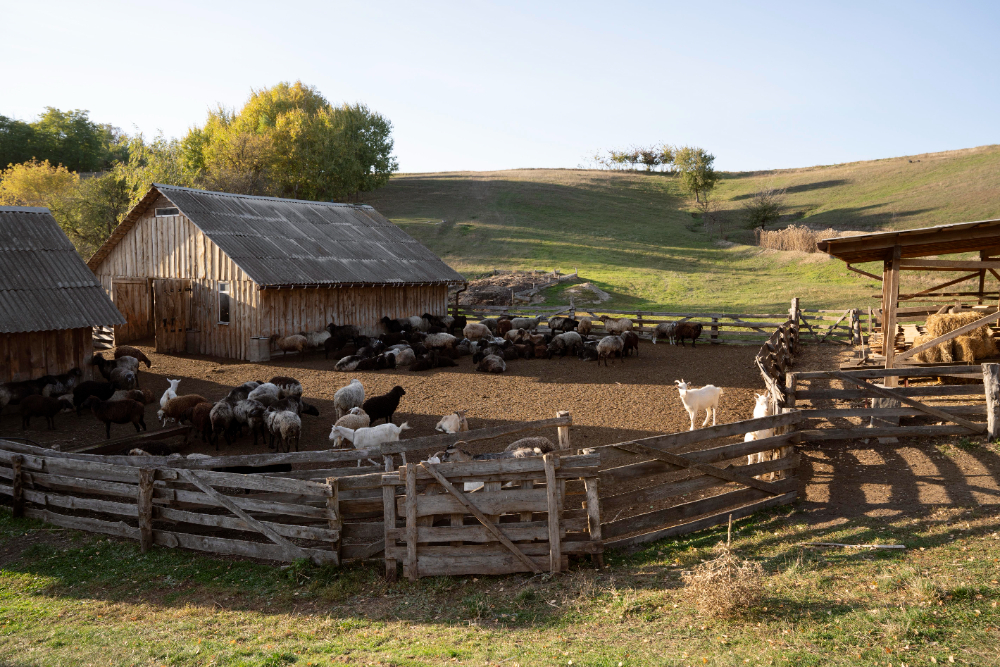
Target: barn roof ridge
<point x="44" y="283"/>
<point x="294" y="242"/>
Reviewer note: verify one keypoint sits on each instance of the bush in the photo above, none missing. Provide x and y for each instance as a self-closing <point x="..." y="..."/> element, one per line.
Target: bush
<point x="726" y="586"/>
<point x="763" y="207"/>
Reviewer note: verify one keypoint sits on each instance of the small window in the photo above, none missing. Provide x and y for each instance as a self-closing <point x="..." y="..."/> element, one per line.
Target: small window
<point x="165" y="212"/>
<point x="223" y="303"/>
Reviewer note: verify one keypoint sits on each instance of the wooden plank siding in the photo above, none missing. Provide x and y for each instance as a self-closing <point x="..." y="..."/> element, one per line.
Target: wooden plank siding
<point x="30" y="355"/>
<point x="173" y="247"/>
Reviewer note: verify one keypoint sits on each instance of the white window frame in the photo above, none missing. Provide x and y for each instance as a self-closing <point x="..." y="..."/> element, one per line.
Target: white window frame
<point x="225" y="288"/>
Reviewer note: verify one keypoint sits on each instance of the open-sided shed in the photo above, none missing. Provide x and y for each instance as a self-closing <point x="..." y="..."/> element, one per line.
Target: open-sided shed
<point x="207" y="272"/>
<point x="920" y="250"/>
<point x="49" y="300"/>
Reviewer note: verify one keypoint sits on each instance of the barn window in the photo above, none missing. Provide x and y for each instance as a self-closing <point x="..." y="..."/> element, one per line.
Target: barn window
<point x="165" y="212"/>
<point x="223" y="303"/>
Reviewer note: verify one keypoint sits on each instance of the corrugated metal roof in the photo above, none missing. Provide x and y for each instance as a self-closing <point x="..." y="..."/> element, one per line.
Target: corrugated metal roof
<point x="294" y="242"/>
<point x="44" y="284"/>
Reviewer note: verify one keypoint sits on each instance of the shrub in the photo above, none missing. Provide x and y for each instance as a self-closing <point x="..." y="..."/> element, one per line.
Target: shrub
<point x="763" y="206"/>
<point x="726" y="586"/>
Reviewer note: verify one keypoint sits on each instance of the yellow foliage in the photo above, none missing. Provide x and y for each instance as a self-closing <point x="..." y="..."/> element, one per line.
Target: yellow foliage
<point x="36" y="184"/>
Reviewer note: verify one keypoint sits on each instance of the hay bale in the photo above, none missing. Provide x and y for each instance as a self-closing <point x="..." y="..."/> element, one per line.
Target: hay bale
<point x="976" y="344"/>
<point x="932" y="355"/>
<point x="939" y="325"/>
<point x="726" y="586"/>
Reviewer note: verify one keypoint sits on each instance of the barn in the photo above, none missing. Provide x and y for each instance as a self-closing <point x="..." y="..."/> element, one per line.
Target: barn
<point x="213" y="273"/>
<point x="49" y="300"/>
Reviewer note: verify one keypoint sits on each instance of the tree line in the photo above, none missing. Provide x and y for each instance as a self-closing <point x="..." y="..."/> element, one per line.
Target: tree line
<point x="694" y="165"/>
<point x="286" y="141"/>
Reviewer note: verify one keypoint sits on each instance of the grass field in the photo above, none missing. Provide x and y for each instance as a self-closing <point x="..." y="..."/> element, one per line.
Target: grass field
<point x="634" y="235"/>
<point x="73" y="599"/>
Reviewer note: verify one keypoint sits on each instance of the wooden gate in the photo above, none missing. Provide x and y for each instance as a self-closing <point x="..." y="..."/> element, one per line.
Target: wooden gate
<point x="131" y="297"/>
<point x="171" y="300"/>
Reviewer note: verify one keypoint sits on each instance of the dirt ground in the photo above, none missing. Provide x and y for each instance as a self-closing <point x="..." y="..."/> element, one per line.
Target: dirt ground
<point x="624" y="401"/>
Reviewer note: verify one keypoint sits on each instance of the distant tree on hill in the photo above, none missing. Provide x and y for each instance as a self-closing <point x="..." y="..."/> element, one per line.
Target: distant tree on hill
<point x="652" y="157"/>
<point x="763" y="206"/>
<point x="697" y="174"/>
<point x="67" y="138"/>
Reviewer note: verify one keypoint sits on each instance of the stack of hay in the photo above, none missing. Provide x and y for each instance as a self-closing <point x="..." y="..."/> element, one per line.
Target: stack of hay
<point x="976" y="344"/>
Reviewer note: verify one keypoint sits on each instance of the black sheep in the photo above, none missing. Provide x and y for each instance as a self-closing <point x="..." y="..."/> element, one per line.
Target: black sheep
<point x="117" y="412"/>
<point x="688" y="330"/>
<point x="84" y="390"/>
<point x="630" y="341"/>
<point x="41" y="406"/>
<point x="384" y="406"/>
<point x="459" y="323"/>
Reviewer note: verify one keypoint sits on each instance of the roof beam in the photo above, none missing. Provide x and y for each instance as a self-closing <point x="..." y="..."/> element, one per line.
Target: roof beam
<point x="949" y="264"/>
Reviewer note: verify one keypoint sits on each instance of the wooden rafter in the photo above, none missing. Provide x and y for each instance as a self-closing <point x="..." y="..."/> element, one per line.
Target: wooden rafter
<point x="864" y="273"/>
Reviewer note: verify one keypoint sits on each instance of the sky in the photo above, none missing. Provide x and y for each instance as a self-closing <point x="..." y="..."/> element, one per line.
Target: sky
<point x="484" y="86"/>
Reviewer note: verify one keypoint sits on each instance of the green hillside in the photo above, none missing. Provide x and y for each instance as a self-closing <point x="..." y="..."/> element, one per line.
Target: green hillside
<point x="637" y="235"/>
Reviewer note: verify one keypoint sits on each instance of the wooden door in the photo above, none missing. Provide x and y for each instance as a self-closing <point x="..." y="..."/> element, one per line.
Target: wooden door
<point x="171" y="302"/>
<point x="132" y="299"/>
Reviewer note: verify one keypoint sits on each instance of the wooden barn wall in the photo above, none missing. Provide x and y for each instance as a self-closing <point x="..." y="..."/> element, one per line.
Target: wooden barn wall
<point x="289" y="311"/>
<point x="172" y="247"/>
<point x="26" y="356"/>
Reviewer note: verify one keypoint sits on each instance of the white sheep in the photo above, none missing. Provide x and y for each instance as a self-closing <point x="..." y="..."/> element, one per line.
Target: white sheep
<point x="365" y="438"/>
<point x="355" y="419"/>
<point x="170" y="393"/>
<point x="475" y="331"/>
<point x="761" y="409"/>
<point x="316" y="339"/>
<point x="440" y="341"/>
<point x="351" y="396"/>
<point x="527" y="323"/>
<point x="266" y="393"/>
<point x="666" y="330"/>
<point x="705" y="398"/>
<point x="286" y="426"/>
<point x="453" y="423"/>
<point x="616" y="326"/>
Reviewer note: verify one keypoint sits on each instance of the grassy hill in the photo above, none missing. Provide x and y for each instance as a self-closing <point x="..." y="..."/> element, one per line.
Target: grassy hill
<point x="638" y="236"/>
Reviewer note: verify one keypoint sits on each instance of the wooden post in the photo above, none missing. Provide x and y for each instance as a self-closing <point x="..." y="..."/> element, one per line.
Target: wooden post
<point x="552" y="495"/>
<point x="638" y="317"/>
<point x="991" y="383"/>
<point x="411" y="520"/>
<point x="714" y="337"/>
<point x="17" y="486"/>
<point x="853" y="324"/>
<point x="983" y="255"/>
<point x="594" y="516"/>
<point x="389" y="464"/>
<point x="563" y="431"/>
<point x="145" y="503"/>
<point x="389" y="524"/>
<point x="333" y="512"/>
<point x="890" y="299"/>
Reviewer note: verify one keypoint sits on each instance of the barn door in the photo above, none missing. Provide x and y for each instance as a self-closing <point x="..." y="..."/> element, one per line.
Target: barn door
<point x="171" y="302"/>
<point x="132" y="299"/>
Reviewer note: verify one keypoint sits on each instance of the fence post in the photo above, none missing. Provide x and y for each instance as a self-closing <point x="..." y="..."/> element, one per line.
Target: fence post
<point x="638" y="317"/>
<point x="714" y="338"/>
<point x="855" y="326"/>
<point x="411" y="520"/>
<point x="333" y="512"/>
<point x="594" y="516"/>
<point x="17" y="486"/>
<point x="389" y="527"/>
<point x="552" y="495"/>
<point x="145" y="503"/>
<point x="793" y="315"/>
<point x="991" y="383"/>
<point x="563" y="430"/>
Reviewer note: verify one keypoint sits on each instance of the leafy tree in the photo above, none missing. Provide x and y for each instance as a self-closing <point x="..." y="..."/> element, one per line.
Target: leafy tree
<point x="36" y="183"/>
<point x="763" y="206"/>
<point x="697" y="174"/>
<point x="67" y="138"/>
<point x="156" y="161"/>
<point x="289" y="140"/>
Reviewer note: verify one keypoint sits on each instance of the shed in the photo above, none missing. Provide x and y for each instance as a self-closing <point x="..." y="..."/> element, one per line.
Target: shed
<point x="49" y="300"/>
<point x="208" y="272"/>
<point x="920" y="250"/>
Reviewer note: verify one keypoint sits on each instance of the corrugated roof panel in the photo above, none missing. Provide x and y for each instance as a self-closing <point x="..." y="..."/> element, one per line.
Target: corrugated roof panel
<point x="44" y="285"/>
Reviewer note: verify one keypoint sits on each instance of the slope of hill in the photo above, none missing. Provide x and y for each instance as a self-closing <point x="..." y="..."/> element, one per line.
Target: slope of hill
<point x="636" y="236"/>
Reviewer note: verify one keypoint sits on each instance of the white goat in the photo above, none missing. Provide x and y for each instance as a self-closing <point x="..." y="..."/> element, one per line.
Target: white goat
<point x="373" y="436"/>
<point x="706" y="398"/>
<point x="453" y="423"/>
<point x="170" y="393"/>
<point x="761" y="409"/>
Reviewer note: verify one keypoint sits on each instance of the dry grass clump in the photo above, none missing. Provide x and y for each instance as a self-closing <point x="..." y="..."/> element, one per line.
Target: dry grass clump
<point x="726" y="586"/>
<point x="793" y="237"/>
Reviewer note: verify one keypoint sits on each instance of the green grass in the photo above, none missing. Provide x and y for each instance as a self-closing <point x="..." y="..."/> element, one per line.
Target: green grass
<point x="79" y="599"/>
<point x="635" y="235"/>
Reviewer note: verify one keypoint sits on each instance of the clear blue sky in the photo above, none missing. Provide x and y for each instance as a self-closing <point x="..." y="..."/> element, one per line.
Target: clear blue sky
<point x="505" y="85"/>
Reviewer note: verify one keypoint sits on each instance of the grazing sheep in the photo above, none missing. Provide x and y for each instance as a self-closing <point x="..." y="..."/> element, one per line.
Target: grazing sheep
<point x="585" y="326"/>
<point x="565" y="343"/>
<point x="526" y="323"/>
<point x="384" y="406"/>
<point x="630" y="341"/>
<point x="266" y="393"/>
<point x="42" y="406"/>
<point x="491" y="363"/>
<point x="355" y="419"/>
<point x="351" y="396"/>
<point x="285" y="426"/>
<point x="706" y="398"/>
<point x="84" y="390"/>
<point x="367" y="438"/>
<point x="687" y="330"/>
<point x="453" y="423"/>
<point x="241" y="393"/>
<point x="221" y="420"/>
<point x="250" y="414"/>
<point x="315" y="340"/>
<point x="616" y="325"/>
<point x="179" y="409"/>
<point x="666" y="330"/>
<point x="476" y="331"/>
<point x="144" y="396"/>
<point x="117" y="412"/>
<point x="107" y="367"/>
<point x="134" y="352"/>
<point x="201" y="421"/>
<point x="293" y="343"/>
<point x="170" y="393"/>
<point x="762" y="408"/>
<point x="290" y="386"/>
<point x="294" y="404"/>
<point x="440" y="341"/>
<point x="564" y="324"/>
<point x="57" y="385"/>
<point x="532" y="442"/>
<point x="609" y="346"/>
